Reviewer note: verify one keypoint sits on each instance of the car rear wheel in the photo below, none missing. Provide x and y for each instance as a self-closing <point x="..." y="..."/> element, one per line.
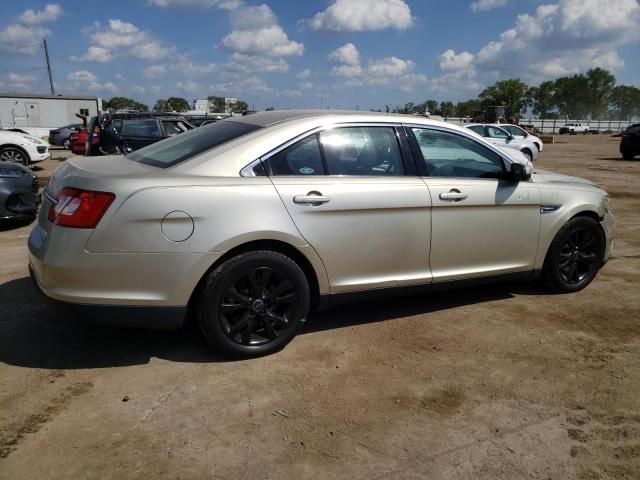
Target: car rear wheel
<point x="627" y="155"/>
<point x="575" y="255"/>
<point x="66" y="143"/>
<point x="14" y="155"/>
<point x="253" y="304"/>
<point x="527" y="153"/>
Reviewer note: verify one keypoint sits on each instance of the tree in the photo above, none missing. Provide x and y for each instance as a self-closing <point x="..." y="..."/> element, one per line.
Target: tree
<point x="430" y="106"/>
<point x="177" y="104"/>
<point x="447" y="109"/>
<point x="541" y="99"/>
<point x="161" y="106"/>
<point x="600" y="83"/>
<point x="625" y="102"/>
<point x="239" y="107"/>
<point x="216" y="104"/>
<point x="511" y="94"/>
<point x="123" y="103"/>
<point x="571" y="96"/>
<point x="468" y="108"/>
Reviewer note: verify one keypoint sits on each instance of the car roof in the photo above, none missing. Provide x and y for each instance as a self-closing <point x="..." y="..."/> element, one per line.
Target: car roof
<point x="265" y="119"/>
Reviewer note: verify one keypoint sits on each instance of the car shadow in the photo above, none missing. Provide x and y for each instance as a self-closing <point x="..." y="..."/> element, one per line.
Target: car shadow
<point x="13" y="224"/>
<point x="37" y="333"/>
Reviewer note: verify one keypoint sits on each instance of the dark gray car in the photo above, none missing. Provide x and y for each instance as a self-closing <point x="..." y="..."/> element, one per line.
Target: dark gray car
<point x="18" y="192"/>
<point x="62" y="136"/>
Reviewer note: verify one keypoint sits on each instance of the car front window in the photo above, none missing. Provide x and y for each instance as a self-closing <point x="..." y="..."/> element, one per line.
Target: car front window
<point x="181" y="147"/>
<point x="448" y="154"/>
<point x="495" y="132"/>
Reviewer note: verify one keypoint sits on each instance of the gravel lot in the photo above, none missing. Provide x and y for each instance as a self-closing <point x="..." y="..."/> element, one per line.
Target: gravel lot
<point x="499" y="382"/>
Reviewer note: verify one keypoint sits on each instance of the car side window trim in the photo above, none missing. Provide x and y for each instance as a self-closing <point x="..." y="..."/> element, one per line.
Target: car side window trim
<point x="408" y="163"/>
<point x="421" y="161"/>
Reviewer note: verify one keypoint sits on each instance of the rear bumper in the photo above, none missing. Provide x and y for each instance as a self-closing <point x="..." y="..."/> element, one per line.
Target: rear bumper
<point x="160" y="318"/>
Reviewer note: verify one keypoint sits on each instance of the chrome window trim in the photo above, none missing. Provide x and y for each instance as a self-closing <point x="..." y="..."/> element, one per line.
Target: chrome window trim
<point x="266" y="156"/>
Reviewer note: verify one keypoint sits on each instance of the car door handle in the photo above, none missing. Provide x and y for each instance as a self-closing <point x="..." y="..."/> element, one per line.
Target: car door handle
<point x="312" y="198"/>
<point x="453" y="196"/>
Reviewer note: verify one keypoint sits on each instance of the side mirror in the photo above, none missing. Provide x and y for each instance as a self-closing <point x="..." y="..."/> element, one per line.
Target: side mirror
<point x="518" y="172"/>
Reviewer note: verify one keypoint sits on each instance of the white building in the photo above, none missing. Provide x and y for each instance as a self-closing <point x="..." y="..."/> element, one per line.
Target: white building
<point x="38" y="114"/>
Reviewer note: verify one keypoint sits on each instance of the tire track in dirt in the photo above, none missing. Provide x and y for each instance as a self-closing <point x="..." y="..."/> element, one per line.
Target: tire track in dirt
<point x="13" y="435"/>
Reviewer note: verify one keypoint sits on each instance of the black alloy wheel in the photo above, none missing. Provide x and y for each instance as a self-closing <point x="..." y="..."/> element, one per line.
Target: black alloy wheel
<point x="253" y="304"/>
<point x="575" y="255"/>
<point x="255" y="309"/>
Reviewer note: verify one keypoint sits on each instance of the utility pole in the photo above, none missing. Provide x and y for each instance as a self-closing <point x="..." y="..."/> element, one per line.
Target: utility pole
<point x="46" y="54"/>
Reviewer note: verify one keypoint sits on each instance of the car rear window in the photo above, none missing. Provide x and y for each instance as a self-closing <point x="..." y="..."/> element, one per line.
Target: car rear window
<point x="179" y="148"/>
<point x="141" y="128"/>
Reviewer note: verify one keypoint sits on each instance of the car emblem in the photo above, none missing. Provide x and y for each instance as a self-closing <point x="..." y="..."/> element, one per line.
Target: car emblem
<point x="306" y="170"/>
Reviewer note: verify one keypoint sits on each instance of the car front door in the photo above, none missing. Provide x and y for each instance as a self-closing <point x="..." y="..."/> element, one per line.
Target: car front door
<point x="350" y="195"/>
<point x="482" y="224"/>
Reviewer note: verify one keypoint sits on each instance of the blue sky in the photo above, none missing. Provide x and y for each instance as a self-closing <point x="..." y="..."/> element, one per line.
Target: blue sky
<point x="338" y="53"/>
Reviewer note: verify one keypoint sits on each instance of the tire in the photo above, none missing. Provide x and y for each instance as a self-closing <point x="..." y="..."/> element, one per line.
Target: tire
<point x="527" y="153"/>
<point x="253" y="304"/>
<point x="14" y="155"/>
<point x="627" y="155"/>
<point x="66" y="143"/>
<point x="537" y="146"/>
<point x="575" y="255"/>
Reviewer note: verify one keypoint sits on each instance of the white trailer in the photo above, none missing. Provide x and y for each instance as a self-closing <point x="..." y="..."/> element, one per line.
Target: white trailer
<point x="37" y="114"/>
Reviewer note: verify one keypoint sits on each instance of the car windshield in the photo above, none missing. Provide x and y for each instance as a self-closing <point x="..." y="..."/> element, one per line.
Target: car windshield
<point x="181" y="147"/>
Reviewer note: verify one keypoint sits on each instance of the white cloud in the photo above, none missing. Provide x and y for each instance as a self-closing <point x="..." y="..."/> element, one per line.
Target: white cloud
<point x="241" y="86"/>
<point x="122" y="39"/>
<point x="384" y="71"/>
<point x="450" y="61"/>
<point x="253" y="18"/>
<point x="155" y="71"/>
<point x="484" y="5"/>
<point x="201" y="4"/>
<point x="347" y="54"/>
<point x="139" y="89"/>
<point x="255" y="63"/>
<point x="189" y="86"/>
<point x="271" y="41"/>
<point x="363" y="15"/>
<point x="50" y="14"/>
<point x="190" y="69"/>
<point x="563" y="38"/>
<point x="82" y="76"/>
<point x="23" y="36"/>
<point x="303" y="74"/>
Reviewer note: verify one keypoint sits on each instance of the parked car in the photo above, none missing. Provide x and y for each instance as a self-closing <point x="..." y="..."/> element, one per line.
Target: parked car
<point x="122" y="133"/>
<point x="630" y="142"/>
<point x="79" y="138"/>
<point x="574" y="129"/>
<point x="22" y="148"/>
<point x="518" y="132"/>
<point x="252" y="222"/>
<point x="62" y="136"/>
<point x="501" y="137"/>
<point x="201" y="121"/>
<point x="19" y="197"/>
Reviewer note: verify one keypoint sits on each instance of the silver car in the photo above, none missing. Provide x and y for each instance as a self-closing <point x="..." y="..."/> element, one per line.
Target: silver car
<point x="498" y="135"/>
<point x="250" y="223"/>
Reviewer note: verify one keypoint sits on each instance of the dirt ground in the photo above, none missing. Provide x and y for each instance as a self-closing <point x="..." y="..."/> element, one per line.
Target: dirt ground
<point x="499" y="382"/>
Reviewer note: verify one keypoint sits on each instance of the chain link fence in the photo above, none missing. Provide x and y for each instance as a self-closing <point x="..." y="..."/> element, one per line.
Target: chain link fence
<point x="550" y="126"/>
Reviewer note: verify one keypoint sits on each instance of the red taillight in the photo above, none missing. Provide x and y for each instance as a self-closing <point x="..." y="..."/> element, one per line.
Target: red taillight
<point x="77" y="208"/>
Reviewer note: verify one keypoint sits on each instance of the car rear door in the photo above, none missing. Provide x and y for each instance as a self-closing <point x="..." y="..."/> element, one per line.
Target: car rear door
<point x="481" y="223"/>
<point x="138" y="133"/>
<point x="354" y="197"/>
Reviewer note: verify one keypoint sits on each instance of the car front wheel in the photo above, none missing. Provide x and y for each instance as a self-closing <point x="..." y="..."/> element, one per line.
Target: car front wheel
<point x="253" y="304"/>
<point x="575" y="255"/>
<point x="14" y="155"/>
<point x="66" y="143"/>
<point x="527" y="153"/>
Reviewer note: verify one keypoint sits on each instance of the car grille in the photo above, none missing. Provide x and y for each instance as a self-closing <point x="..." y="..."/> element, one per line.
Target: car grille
<point x="35" y="186"/>
<point x="42" y="149"/>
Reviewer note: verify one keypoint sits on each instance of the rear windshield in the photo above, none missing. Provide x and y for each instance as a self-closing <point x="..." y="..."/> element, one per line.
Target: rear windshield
<point x="187" y="145"/>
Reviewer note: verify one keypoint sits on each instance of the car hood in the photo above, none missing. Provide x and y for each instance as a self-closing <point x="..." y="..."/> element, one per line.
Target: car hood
<point x="552" y="177"/>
